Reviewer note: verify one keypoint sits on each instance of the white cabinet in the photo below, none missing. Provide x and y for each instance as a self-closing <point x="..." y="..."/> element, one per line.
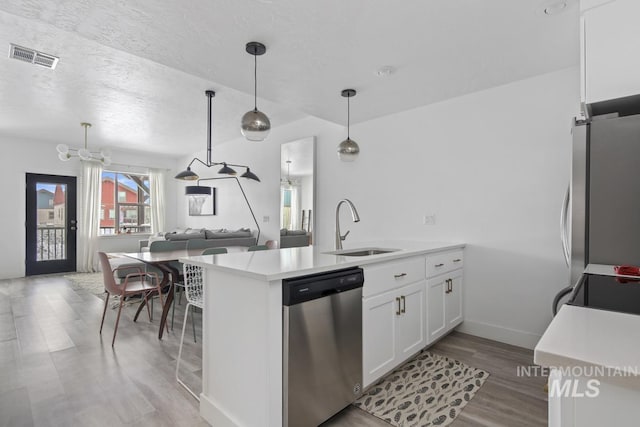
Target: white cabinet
<point x="436" y="293"/>
<point x="444" y="303"/>
<point x="610" y="45"/>
<point x="393" y="328"/>
<point x="402" y="312"/>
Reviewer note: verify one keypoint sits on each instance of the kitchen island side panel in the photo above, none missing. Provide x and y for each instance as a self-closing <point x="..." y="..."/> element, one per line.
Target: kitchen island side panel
<point x="242" y="350"/>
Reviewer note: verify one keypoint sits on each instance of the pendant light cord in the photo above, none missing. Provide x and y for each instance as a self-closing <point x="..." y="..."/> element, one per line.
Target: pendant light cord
<point x="85" y="137"/>
<point x="348" y="116"/>
<point x="255" y="81"/>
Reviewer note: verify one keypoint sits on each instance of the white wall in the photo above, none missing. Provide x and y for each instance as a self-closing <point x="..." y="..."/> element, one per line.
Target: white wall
<point x="27" y="156"/>
<point x="492" y="166"/>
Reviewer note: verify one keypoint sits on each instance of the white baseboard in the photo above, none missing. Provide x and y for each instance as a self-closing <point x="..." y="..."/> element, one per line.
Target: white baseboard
<point x="500" y="333"/>
<point x="215" y="416"/>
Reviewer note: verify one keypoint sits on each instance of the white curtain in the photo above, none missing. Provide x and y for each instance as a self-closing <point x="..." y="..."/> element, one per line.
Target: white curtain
<point x="156" y="182"/>
<point x="89" y="223"/>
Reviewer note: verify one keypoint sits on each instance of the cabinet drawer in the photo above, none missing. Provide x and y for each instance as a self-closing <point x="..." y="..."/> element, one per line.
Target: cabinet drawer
<point x="390" y="275"/>
<point x="443" y="262"/>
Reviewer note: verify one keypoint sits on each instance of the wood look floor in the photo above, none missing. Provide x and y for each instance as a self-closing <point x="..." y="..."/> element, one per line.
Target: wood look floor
<point x="56" y="370"/>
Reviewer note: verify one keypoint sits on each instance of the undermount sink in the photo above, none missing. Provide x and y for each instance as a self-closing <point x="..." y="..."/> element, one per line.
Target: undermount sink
<point x="363" y="251"/>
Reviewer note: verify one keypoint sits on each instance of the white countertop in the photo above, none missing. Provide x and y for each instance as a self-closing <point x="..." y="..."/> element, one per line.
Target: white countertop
<point x="585" y="337"/>
<point x="278" y="264"/>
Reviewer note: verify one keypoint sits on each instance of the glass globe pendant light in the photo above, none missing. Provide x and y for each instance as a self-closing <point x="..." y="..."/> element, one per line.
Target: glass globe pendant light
<point x="255" y="124"/>
<point x="348" y="149"/>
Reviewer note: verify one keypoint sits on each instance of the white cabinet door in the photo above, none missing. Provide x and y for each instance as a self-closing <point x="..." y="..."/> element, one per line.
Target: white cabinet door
<point x="411" y="322"/>
<point x="453" y="301"/>
<point x="611" y="37"/>
<point x="436" y="323"/>
<point x="379" y="319"/>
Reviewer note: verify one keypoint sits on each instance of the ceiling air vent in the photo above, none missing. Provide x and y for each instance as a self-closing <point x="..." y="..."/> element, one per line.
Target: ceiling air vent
<point x="33" y="56"/>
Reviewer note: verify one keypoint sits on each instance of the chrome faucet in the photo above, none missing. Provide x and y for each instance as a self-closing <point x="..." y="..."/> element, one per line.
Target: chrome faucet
<point x="354" y="216"/>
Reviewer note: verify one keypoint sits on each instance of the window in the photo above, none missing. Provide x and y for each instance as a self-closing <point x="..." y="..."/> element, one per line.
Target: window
<point x="50" y="214"/>
<point x="126" y="197"/>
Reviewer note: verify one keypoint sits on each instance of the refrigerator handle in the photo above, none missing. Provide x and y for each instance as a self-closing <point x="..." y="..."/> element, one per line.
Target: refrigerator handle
<point x="564" y="234"/>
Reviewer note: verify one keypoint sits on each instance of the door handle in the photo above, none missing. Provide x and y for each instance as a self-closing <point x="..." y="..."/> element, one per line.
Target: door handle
<point x="404" y="305"/>
<point x="398" y="310"/>
<point x="397" y="276"/>
<point x="448" y="286"/>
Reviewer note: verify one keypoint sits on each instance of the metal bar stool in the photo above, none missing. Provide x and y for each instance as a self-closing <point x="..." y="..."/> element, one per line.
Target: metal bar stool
<point x="193" y="292"/>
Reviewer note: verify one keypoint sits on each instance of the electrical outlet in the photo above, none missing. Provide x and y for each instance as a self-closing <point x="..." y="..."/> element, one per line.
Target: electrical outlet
<point x="265" y="219"/>
<point x="429" y="219"/>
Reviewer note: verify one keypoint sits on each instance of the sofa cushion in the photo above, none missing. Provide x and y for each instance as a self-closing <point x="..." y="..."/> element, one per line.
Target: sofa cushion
<point x="185" y="236"/>
<point x="227" y="234"/>
<point x="296" y="232"/>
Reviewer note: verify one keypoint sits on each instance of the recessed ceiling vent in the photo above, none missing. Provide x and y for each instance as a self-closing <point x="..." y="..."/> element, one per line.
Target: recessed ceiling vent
<point x="33" y="56"/>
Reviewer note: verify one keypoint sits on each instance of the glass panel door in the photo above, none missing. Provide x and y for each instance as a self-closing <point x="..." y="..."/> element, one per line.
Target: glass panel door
<point x="50" y="224"/>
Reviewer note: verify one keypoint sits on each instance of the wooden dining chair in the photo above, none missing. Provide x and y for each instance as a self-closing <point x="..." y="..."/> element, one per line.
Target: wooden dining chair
<point x="136" y="283"/>
<point x="258" y="248"/>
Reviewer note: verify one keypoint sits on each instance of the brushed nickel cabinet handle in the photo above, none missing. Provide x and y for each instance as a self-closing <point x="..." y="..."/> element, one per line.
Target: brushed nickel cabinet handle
<point x="448" y="286"/>
<point x="404" y="305"/>
<point x="397" y="276"/>
<point x="440" y="265"/>
<point x="398" y="310"/>
<point x="457" y="260"/>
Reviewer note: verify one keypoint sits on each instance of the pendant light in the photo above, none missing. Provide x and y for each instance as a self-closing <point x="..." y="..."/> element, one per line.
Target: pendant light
<point x="287" y="182"/>
<point x="255" y="124"/>
<point x="189" y="175"/>
<point x="348" y="149"/>
<point x="66" y="153"/>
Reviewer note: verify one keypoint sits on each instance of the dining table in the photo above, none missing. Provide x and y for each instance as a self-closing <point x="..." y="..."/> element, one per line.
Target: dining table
<point x="166" y="262"/>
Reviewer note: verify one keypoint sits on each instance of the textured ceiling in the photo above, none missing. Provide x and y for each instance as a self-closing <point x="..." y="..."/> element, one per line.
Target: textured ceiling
<point x="439" y="48"/>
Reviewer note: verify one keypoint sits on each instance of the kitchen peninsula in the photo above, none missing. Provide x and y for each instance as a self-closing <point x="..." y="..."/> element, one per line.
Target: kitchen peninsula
<point x="243" y="317"/>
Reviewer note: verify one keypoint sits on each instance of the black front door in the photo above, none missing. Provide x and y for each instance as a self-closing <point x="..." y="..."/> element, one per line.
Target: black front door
<point x="51" y="224"/>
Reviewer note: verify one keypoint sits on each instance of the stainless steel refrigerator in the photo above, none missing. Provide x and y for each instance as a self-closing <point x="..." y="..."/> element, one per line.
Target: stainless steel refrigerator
<point x="601" y="215"/>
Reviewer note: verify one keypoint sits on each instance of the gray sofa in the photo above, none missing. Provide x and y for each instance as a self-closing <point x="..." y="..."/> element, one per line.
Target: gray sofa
<point x="219" y="238"/>
<point x="294" y="238"/>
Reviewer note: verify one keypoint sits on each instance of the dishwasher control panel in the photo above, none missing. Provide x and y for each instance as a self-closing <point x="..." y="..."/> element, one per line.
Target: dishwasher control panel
<point x="306" y="288"/>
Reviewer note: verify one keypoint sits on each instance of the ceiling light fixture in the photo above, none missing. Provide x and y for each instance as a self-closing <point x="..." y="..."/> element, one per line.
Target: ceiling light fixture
<point x="287" y="181"/>
<point x="348" y="149"/>
<point x="255" y="124"/>
<point x="66" y="153"/>
<point x="385" y="71"/>
<point x="189" y="175"/>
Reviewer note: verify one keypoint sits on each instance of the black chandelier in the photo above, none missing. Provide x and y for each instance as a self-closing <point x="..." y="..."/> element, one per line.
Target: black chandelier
<point x="227" y="169"/>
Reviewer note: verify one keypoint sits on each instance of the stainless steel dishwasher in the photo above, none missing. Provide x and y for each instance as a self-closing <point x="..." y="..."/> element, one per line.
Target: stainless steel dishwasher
<point x="322" y="345"/>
